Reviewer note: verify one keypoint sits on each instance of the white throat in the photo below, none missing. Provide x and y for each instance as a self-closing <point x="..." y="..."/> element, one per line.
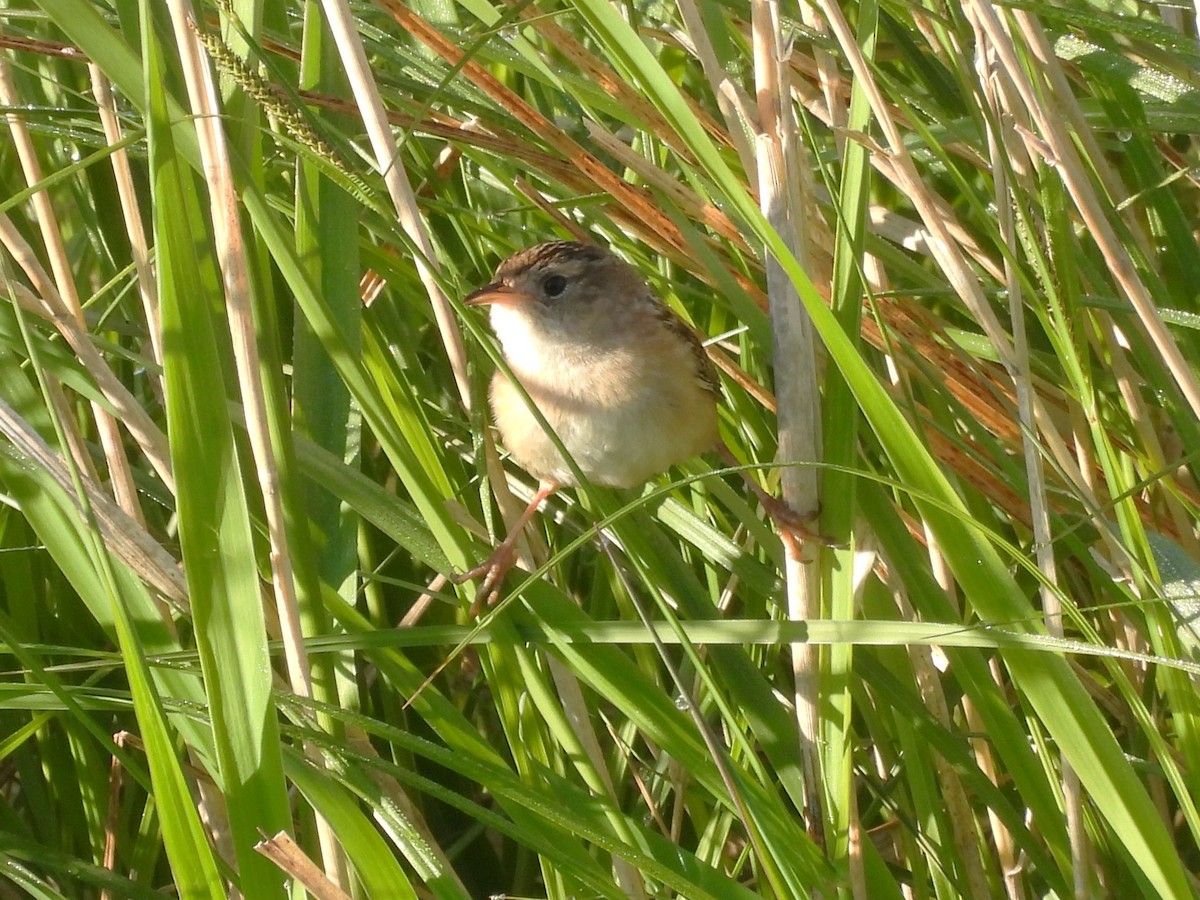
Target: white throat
<point x="529" y="349"/>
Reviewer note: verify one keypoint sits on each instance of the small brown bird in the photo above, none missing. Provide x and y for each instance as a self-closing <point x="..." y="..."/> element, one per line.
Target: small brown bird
<point x="623" y="381"/>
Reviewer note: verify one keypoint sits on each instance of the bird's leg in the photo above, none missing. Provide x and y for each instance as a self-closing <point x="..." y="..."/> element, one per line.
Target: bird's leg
<point x="791" y="525"/>
<point x="495" y="568"/>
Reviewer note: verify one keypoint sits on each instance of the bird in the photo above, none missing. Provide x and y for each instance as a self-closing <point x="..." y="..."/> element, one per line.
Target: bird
<point x="623" y="381"/>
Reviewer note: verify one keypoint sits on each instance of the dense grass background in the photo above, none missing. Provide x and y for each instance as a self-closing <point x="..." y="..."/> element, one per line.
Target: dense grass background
<point x="245" y="442"/>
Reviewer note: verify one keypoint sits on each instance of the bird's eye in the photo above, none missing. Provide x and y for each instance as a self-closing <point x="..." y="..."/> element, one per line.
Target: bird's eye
<point x="554" y="286"/>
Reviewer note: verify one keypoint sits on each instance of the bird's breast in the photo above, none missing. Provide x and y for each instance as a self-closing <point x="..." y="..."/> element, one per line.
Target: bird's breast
<point x="624" y="413"/>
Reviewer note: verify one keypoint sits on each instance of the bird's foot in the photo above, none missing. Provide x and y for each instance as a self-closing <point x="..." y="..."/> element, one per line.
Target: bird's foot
<point x="493" y="571"/>
<point x="495" y="568"/>
<point x="793" y="527"/>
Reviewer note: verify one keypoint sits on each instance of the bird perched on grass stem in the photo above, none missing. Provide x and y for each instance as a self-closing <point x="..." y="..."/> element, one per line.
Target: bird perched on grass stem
<point x="623" y="382"/>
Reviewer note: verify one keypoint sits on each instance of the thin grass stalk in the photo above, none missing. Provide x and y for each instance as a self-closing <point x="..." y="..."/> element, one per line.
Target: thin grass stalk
<point x="109" y="857"/>
<point x="396" y="812"/>
<point x="235" y="274"/>
<point x="689" y="202"/>
<point x="1011" y="870"/>
<point x="1089" y="144"/>
<point x="50" y="304"/>
<point x="795" y="383"/>
<point x="731" y="99"/>
<point x="237" y="282"/>
<point x="944" y="244"/>
<point x="318" y="406"/>
<point x="379" y="870"/>
<point x="850" y="182"/>
<point x="391" y="168"/>
<point x="1128" y="384"/>
<point x="592" y="68"/>
<point x="78" y="451"/>
<point x="130" y="211"/>
<point x="1022" y="375"/>
<point x="578" y="721"/>
<point x="829" y="77"/>
<point x="964" y="832"/>
<point x="947" y="633"/>
<point x="119" y="470"/>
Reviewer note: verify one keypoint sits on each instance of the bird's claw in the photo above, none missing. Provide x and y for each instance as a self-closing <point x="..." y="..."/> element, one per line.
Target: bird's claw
<point x="793" y="527"/>
<point x="493" y="571"/>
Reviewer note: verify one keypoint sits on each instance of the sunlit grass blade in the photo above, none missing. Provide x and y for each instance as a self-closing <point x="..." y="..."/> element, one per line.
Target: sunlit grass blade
<point x="214" y="522"/>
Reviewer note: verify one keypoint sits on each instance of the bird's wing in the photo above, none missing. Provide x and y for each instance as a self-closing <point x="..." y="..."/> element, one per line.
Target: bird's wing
<point x="706" y="375"/>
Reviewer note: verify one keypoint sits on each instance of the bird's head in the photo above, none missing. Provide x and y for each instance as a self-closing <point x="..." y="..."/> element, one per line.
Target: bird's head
<point x="559" y="291"/>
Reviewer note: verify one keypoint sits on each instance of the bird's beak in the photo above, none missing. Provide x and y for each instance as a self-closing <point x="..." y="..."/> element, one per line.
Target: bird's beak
<point x="496" y="293"/>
